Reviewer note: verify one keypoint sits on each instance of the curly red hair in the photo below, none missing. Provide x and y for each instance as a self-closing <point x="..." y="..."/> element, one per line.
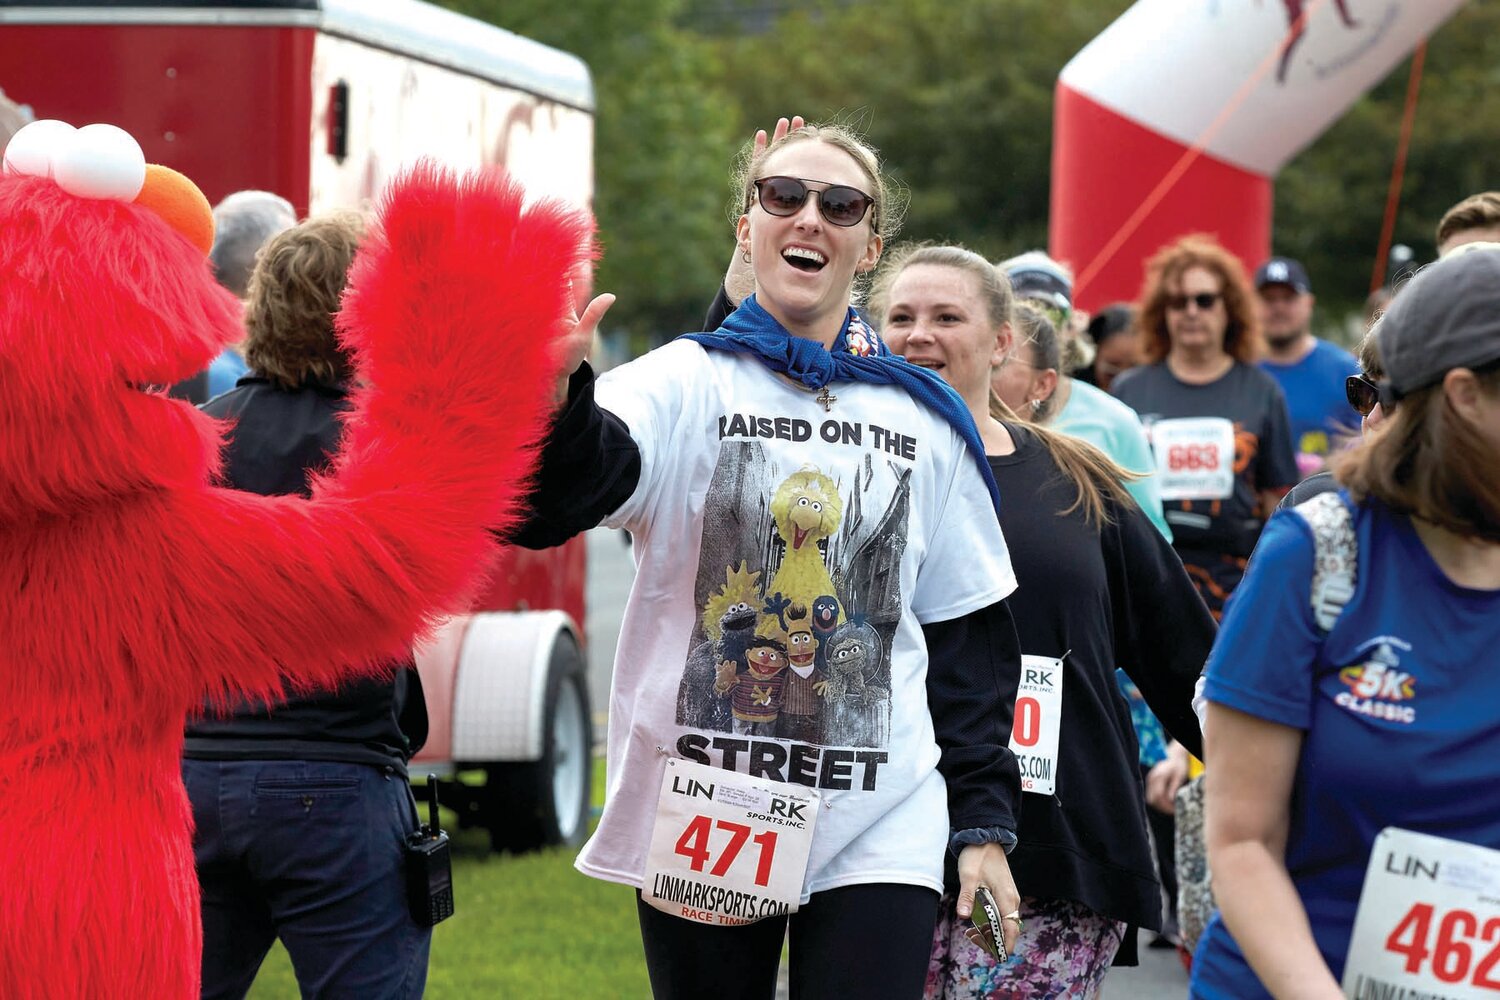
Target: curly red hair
<point x="1164" y="273"/>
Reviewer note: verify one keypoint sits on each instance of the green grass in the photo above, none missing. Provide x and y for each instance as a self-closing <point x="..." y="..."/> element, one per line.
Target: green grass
<point x="525" y="927"/>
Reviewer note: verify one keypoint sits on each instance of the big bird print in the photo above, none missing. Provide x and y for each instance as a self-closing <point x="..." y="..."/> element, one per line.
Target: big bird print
<point x="805" y="509"/>
<point x="133" y="588"/>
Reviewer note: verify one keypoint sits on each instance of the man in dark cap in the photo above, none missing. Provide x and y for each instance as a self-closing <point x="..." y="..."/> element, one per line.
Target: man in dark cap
<point x="1310" y="371"/>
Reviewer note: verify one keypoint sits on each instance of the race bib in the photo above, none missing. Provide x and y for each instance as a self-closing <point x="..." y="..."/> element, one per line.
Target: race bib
<point x="1038" y="723"/>
<point x="728" y="848"/>
<point x="1428" y="923"/>
<point x="1194" y="458"/>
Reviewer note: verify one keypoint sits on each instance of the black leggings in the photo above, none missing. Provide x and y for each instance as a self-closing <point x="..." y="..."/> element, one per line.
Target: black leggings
<point x="863" y="942"/>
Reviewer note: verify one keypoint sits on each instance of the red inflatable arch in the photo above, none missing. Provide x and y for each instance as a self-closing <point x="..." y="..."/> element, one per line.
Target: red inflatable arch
<point x="1177" y="118"/>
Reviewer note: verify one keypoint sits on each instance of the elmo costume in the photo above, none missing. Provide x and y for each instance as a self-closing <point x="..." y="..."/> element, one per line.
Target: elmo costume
<point x="133" y="588"/>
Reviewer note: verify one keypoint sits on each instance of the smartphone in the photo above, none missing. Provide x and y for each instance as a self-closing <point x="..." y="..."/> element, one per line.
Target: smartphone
<point x="987" y="930"/>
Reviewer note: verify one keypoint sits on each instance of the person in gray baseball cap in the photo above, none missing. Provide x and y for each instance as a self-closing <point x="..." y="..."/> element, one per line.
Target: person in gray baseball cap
<point x="1447" y="318"/>
<point x="1352" y="686"/>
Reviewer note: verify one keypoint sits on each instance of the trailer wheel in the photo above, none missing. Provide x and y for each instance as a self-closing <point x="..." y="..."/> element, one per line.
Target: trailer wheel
<point x="544" y="803"/>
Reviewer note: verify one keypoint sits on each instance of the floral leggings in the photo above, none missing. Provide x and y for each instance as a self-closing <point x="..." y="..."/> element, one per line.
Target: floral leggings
<point x="1064" y="950"/>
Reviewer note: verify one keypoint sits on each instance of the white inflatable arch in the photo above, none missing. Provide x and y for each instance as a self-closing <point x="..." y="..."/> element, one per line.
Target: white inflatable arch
<point x="1178" y="116"/>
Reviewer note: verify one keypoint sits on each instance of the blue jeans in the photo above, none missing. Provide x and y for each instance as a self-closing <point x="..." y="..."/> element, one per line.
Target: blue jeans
<point x="311" y="852"/>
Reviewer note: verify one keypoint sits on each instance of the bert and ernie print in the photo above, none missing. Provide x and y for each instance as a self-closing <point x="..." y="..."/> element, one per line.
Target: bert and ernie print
<point x="799" y="597"/>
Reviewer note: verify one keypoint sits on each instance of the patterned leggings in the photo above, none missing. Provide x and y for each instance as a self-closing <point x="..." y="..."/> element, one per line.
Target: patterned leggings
<point x="1064" y="951"/>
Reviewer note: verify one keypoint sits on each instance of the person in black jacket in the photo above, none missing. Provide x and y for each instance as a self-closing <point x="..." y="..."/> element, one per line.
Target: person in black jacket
<point x="301" y="808"/>
<point x="1099" y="588"/>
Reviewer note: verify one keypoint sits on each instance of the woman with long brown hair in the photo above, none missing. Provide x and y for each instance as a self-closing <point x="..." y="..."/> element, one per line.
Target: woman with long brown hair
<point x="1352" y="690"/>
<point x="1218" y="424"/>
<point x="1098" y="588"/>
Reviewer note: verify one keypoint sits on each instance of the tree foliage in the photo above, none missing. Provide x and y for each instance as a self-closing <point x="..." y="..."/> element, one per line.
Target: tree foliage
<point x="957" y="95"/>
<point x="1330" y="201"/>
<point x="664" y="135"/>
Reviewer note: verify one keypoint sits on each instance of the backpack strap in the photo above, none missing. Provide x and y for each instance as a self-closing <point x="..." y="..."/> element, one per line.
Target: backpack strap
<point x="1335" y="568"/>
<point x="1335" y="556"/>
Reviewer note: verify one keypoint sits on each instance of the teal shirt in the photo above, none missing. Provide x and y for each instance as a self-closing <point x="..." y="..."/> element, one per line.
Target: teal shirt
<point x="1112" y="427"/>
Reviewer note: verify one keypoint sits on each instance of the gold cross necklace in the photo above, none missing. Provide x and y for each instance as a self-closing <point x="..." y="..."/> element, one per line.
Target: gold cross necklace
<point x="823" y="395"/>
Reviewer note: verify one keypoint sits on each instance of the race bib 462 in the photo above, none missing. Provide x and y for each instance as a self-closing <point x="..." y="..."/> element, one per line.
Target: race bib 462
<point x="1428" y="923"/>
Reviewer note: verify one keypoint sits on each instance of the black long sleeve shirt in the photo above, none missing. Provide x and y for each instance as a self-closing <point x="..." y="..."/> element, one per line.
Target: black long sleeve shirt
<point x="1099" y="598"/>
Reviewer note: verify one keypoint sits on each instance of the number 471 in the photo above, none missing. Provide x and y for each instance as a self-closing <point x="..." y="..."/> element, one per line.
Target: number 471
<point x="693" y="845"/>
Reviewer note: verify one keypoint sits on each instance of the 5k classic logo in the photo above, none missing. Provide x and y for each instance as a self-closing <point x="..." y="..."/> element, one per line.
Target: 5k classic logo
<point x="1378" y="687"/>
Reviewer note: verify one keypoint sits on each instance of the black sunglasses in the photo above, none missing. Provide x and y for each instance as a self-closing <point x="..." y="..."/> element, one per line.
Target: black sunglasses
<point x="1362" y="394"/>
<point x="1203" y="300"/>
<point x="840" y="204"/>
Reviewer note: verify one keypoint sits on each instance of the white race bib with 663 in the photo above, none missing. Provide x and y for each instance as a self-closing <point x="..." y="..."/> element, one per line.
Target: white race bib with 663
<point x="1428" y="923"/>
<point x="1038" y="723"/>
<point x="728" y="848"/>
<point x="1194" y="458"/>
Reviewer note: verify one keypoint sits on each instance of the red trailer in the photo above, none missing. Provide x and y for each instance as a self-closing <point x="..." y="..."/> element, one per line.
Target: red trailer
<point x="322" y="101"/>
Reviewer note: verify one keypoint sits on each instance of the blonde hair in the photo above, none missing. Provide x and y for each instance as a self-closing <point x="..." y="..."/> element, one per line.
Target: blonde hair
<point x="1034" y="329"/>
<point x="1096" y="478"/>
<point x="994" y="286"/>
<point x="293" y="297"/>
<point x="889" y="208"/>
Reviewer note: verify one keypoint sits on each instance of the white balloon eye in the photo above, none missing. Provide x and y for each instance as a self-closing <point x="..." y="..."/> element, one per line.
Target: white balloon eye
<point x="30" y="151"/>
<point x="100" y="161"/>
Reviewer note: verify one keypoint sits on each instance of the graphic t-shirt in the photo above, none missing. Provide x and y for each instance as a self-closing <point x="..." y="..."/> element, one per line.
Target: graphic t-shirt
<point x="1320" y="412"/>
<point x="1216" y="446"/>
<point x="1109" y="425"/>
<point x="768" y="526"/>
<point x="1397" y="706"/>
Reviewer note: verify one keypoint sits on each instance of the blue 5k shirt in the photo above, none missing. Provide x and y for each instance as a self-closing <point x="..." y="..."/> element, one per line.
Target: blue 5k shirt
<point x="1321" y="415"/>
<point x="1398" y="708"/>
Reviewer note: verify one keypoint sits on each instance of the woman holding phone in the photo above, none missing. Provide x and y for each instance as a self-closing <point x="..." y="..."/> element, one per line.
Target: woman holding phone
<point x="1098" y="588"/>
<point x="817" y="620"/>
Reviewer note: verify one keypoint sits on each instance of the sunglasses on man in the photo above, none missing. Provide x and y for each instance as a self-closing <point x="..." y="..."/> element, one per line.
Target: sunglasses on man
<point x="1203" y="300"/>
<point x="839" y="204"/>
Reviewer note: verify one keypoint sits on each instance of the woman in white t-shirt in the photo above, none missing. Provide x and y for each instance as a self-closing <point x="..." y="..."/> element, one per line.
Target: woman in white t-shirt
<point x="818" y="608"/>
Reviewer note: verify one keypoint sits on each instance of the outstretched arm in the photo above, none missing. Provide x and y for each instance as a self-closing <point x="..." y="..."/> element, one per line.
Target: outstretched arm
<point x="454" y="312"/>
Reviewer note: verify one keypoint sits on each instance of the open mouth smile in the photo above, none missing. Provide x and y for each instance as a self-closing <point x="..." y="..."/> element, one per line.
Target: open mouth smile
<point x="804" y="259"/>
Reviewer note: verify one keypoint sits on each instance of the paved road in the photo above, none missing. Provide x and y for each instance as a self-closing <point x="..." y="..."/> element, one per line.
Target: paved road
<point x="1160" y="975"/>
<point x="610" y="574"/>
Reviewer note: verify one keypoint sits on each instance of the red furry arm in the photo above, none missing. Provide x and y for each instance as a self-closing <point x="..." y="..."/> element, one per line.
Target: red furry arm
<point x="452" y="310"/>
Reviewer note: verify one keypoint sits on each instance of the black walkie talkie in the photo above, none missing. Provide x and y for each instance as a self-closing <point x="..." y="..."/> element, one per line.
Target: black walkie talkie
<point x="429" y="867"/>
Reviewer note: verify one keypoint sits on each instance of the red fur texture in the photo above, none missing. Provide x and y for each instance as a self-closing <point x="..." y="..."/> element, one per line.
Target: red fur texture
<point x="132" y="588"/>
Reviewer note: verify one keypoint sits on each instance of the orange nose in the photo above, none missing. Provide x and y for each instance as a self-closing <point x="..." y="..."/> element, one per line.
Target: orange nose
<point x="180" y="204"/>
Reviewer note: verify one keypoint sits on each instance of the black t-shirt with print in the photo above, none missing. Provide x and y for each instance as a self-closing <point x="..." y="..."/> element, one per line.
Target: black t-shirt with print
<point x="1210" y="502"/>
